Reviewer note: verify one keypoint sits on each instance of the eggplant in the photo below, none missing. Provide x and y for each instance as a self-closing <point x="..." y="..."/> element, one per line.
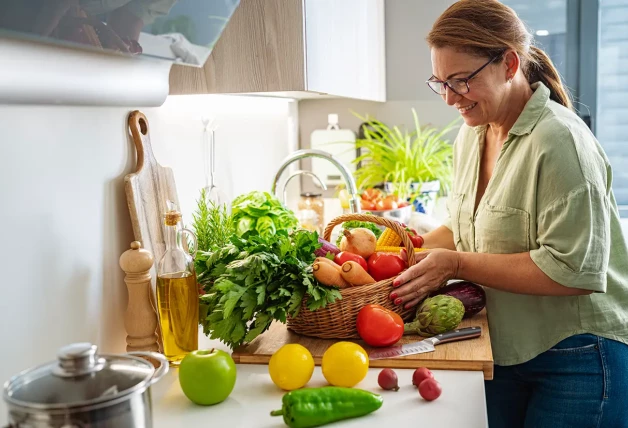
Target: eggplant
<point x="327" y="248"/>
<point x="472" y="296"/>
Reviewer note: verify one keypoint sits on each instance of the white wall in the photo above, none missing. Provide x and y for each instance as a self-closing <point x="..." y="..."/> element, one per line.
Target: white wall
<point x="64" y="216"/>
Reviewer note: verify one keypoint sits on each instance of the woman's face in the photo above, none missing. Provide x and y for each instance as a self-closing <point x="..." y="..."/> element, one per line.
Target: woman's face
<point x="487" y="89"/>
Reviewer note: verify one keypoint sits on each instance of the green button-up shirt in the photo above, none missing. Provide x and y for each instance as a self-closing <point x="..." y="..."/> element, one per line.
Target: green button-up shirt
<point x="549" y="195"/>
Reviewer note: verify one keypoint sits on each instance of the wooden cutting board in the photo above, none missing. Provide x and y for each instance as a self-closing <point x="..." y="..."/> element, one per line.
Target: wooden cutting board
<point x="148" y="189"/>
<point x="472" y="354"/>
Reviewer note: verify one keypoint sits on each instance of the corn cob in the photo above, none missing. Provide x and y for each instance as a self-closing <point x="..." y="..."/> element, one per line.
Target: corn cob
<point x="392" y="249"/>
<point x="389" y="239"/>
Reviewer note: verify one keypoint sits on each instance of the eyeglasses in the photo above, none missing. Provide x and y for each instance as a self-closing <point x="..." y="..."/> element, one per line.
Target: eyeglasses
<point x="458" y="86"/>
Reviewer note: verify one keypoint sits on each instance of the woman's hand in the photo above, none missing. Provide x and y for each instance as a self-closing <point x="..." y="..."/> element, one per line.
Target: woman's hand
<point x="432" y="269"/>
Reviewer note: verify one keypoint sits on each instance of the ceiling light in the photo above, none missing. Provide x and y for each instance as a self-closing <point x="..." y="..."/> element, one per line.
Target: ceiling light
<point x="542" y="33"/>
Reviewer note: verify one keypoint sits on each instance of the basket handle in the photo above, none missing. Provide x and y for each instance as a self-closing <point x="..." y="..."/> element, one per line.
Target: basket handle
<point x="391" y="224"/>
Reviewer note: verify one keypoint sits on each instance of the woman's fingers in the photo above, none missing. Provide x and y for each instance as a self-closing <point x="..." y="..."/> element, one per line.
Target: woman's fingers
<point x="413" y="271"/>
<point x="412" y="290"/>
<point x="413" y="303"/>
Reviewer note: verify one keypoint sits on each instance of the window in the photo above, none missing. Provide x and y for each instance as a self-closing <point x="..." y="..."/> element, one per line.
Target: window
<point x="573" y="32"/>
<point x="612" y="93"/>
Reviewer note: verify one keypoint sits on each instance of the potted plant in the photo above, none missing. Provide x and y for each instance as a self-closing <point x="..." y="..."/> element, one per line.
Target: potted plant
<point x="415" y="165"/>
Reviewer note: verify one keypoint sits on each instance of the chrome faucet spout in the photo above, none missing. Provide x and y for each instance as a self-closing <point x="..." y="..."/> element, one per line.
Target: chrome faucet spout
<point x="354" y="203"/>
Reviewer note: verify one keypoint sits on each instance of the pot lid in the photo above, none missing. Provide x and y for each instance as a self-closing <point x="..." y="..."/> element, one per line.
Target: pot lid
<point x="78" y="378"/>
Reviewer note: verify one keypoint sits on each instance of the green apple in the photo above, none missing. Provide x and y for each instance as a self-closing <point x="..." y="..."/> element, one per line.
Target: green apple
<point x="207" y="376"/>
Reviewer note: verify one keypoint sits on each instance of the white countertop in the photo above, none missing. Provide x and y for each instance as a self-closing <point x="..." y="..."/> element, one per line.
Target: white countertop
<point x="462" y="403"/>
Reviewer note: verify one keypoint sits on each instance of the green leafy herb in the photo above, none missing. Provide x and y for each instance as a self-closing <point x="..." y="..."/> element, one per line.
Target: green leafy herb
<point x="260" y="213"/>
<point x="213" y="225"/>
<point x="254" y="281"/>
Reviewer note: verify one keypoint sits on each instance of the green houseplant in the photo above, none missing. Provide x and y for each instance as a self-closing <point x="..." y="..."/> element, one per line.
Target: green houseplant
<point x="404" y="161"/>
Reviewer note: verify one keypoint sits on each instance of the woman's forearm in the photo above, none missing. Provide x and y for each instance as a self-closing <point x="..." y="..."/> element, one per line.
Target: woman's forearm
<point x="515" y="273"/>
<point x="441" y="237"/>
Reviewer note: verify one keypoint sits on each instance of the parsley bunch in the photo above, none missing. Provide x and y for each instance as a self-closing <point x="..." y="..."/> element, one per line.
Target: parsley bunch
<point x="251" y="282"/>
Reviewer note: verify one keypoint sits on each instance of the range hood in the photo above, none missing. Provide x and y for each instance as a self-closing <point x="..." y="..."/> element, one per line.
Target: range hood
<point x="177" y="31"/>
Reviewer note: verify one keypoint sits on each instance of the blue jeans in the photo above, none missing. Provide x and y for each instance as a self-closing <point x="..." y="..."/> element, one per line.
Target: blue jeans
<point x="582" y="382"/>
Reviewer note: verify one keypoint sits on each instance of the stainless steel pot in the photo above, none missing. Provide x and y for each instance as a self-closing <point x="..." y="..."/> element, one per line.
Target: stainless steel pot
<point x="84" y="389"/>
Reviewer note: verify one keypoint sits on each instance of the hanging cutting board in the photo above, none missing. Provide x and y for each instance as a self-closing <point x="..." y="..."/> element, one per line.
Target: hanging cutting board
<point x="472" y="354"/>
<point x="148" y="189"/>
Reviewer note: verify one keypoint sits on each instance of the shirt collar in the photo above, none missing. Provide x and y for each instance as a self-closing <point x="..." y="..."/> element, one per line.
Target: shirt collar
<point x="531" y="113"/>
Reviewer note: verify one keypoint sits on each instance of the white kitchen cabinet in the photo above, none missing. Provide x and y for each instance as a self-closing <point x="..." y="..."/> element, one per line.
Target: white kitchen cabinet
<point x="295" y="48"/>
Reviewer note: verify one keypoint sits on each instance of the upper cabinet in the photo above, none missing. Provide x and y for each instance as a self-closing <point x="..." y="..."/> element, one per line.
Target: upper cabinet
<point x="296" y="48"/>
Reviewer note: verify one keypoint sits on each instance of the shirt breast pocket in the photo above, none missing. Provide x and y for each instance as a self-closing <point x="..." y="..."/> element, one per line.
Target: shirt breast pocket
<point x="502" y="230"/>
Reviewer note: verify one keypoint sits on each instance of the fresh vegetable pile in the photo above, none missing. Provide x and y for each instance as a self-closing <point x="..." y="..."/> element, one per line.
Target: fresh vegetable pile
<point x="254" y="277"/>
<point x="377" y="200"/>
<point x="355" y="262"/>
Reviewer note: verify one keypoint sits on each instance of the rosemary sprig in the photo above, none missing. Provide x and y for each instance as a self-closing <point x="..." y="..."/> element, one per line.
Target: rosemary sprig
<point x="213" y="225"/>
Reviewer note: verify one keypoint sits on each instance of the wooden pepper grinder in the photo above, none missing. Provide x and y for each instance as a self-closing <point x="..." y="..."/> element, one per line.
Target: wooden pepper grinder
<point x="140" y="319"/>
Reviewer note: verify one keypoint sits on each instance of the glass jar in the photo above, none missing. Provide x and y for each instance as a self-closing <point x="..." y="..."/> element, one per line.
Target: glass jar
<point x="313" y="202"/>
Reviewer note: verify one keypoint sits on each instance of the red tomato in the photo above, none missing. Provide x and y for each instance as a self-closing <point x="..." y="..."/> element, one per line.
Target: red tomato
<point x="345" y="256"/>
<point x="402" y="204"/>
<point x="382" y="266"/>
<point x="416" y="239"/>
<point x="368" y="205"/>
<point x="371" y="194"/>
<point x="388" y="203"/>
<point x="379" y="326"/>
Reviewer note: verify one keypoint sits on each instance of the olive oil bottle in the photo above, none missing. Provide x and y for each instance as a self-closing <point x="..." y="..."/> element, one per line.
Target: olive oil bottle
<point x="177" y="292"/>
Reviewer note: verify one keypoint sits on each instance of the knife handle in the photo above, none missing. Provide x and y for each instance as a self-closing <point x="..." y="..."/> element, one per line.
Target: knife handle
<point x="457" y="334"/>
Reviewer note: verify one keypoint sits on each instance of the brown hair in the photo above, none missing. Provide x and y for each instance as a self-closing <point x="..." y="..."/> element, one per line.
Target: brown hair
<point x="486" y="28"/>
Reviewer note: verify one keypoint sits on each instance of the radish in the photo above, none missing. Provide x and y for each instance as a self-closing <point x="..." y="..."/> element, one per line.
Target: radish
<point x="388" y="380"/>
<point x="420" y="375"/>
<point x="430" y="389"/>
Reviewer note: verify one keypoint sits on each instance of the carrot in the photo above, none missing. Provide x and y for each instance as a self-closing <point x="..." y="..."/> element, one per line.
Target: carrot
<point x="326" y="260"/>
<point x="326" y="274"/>
<point x="355" y="274"/>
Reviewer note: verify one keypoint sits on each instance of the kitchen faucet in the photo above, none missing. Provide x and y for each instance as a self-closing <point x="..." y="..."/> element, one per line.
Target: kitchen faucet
<point x="354" y="202"/>
<point x="300" y="172"/>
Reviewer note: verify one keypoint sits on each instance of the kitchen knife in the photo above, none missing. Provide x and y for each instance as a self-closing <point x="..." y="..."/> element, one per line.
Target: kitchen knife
<point x="425" y="345"/>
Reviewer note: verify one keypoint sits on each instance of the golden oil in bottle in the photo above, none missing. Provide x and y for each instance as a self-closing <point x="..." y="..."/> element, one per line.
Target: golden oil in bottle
<point x="177" y="291"/>
<point x="178" y="302"/>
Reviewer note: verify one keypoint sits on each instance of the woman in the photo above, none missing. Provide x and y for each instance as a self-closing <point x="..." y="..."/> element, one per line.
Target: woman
<point x="532" y="218"/>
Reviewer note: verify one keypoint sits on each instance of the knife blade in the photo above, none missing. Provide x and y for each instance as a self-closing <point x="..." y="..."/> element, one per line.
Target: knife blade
<point x="425" y="345"/>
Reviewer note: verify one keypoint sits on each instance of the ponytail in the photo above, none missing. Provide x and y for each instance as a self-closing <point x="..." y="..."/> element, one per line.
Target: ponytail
<point x="540" y="68"/>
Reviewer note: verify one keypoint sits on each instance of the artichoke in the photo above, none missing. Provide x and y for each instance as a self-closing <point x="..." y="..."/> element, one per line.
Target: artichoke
<point x="436" y="315"/>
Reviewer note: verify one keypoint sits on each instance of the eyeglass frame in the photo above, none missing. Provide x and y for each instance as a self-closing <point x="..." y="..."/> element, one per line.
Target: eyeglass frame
<point x="446" y="84"/>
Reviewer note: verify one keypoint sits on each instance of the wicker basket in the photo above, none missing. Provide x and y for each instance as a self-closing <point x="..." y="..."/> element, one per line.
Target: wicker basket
<point x="338" y="320"/>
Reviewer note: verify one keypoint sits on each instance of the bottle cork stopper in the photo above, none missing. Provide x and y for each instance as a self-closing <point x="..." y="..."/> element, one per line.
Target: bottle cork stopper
<point x="172" y="218"/>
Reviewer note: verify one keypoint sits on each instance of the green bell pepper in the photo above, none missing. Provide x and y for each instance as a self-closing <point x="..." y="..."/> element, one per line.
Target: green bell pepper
<point x="313" y="407"/>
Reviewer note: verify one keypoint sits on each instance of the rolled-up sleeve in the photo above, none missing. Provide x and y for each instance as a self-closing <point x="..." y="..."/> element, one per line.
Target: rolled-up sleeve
<point x="574" y="239"/>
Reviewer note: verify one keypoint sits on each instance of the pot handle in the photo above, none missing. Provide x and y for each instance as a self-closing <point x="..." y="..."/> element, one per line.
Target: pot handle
<point x="161" y="370"/>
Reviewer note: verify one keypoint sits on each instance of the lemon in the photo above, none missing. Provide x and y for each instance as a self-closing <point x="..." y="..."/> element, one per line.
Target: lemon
<point x="291" y="367"/>
<point x="345" y="364"/>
